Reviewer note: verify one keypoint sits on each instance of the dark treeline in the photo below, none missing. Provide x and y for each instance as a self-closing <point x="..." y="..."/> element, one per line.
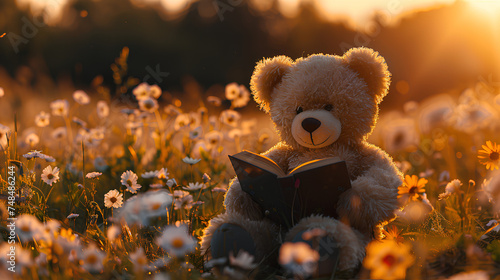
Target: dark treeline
<point x="441" y="49"/>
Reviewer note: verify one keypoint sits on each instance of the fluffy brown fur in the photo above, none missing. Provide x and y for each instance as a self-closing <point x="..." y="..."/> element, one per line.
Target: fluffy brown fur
<point x="353" y="84"/>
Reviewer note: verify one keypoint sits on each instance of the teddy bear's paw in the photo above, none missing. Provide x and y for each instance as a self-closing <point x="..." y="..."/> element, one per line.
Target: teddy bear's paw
<point x="326" y="245"/>
<point x="231" y="239"/>
<point x="349" y="241"/>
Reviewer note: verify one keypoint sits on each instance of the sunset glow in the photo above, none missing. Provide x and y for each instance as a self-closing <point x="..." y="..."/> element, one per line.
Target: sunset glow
<point x="250" y="139"/>
<point x="491" y="8"/>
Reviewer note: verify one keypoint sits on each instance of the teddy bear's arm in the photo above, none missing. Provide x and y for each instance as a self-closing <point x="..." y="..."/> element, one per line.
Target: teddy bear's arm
<point x="280" y="154"/>
<point x="239" y="202"/>
<point x="373" y="197"/>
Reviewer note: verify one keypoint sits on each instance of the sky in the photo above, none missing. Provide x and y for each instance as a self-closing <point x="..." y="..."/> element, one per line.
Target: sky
<point x="359" y="11"/>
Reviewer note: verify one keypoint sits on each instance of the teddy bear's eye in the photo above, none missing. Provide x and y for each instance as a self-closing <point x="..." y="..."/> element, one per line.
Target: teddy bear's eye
<point x="329" y="107"/>
<point x="299" y="110"/>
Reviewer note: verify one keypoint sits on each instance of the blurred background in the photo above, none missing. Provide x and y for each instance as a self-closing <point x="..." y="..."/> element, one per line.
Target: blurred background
<point x="193" y="47"/>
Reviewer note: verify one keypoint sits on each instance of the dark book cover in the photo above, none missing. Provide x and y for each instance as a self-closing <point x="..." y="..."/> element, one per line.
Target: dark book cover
<point x="287" y="199"/>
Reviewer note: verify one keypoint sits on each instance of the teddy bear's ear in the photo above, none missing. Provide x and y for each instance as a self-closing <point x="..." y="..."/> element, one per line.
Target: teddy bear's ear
<point x="266" y="76"/>
<point x="372" y="68"/>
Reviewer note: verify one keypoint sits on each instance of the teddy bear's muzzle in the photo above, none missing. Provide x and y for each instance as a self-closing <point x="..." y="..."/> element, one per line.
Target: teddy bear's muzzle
<point x="316" y="128"/>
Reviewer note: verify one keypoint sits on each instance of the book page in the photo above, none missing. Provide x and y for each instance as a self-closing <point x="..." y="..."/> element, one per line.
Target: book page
<point x="314" y="164"/>
<point x="260" y="161"/>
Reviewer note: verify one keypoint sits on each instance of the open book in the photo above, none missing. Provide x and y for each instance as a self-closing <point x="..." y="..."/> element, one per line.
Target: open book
<point x="311" y="188"/>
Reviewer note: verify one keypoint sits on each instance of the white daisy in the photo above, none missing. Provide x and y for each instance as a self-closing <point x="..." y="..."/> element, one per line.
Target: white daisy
<point x="435" y="112"/>
<point x="150" y="174"/>
<point x="113" y="199"/>
<point x="92" y="175"/>
<point x="199" y="148"/>
<point x="33" y="154"/>
<point x="27" y="227"/>
<point x="148" y="104"/>
<point x="48" y="158"/>
<point x="182" y="121"/>
<point x="214" y="100"/>
<point x="155" y="91"/>
<point x="156" y="203"/>
<point x="141" y="91"/>
<point x="129" y="179"/>
<point x="4" y="136"/>
<point x="230" y="117"/>
<point x="195" y="133"/>
<point x="144" y="90"/>
<point x="50" y="175"/>
<point x="38" y="154"/>
<point x="113" y="232"/>
<point x="183" y="200"/>
<point x="32" y="139"/>
<point x="59" y="133"/>
<point x="48" y="230"/>
<point x="242" y="97"/>
<point x="131" y="212"/>
<point x="52" y="226"/>
<point x="191" y="161"/>
<point x="298" y="258"/>
<point x="93" y="259"/>
<point x="243" y="260"/>
<point x="232" y="91"/>
<point x="42" y="119"/>
<point x="22" y="259"/>
<point x="163" y="174"/>
<point x="81" y="97"/>
<point x="59" y="107"/>
<point x="213" y="139"/>
<point x="139" y="259"/>
<point x="450" y="188"/>
<point x="194" y="120"/>
<point x="400" y="134"/>
<point x="176" y="241"/>
<point x="195" y="186"/>
<point x="102" y="109"/>
<point x="171" y="183"/>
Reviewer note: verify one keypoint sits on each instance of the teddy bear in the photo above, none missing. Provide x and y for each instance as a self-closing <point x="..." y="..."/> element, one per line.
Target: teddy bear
<point x="321" y="106"/>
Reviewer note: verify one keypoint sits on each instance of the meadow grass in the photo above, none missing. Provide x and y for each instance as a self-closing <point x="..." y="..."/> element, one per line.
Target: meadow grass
<point x="125" y="191"/>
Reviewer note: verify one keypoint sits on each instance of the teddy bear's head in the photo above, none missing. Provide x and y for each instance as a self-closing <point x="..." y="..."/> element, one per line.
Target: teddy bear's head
<point x="320" y="100"/>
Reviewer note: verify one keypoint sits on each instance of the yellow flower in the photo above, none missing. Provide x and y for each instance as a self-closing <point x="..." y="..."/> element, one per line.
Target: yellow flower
<point x="490" y="155"/>
<point x="393" y="233"/>
<point x="388" y="259"/>
<point x="412" y="188"/>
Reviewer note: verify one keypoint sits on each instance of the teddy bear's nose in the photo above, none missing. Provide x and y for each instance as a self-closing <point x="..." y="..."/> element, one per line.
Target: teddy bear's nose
<point x="310" y="124"/>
